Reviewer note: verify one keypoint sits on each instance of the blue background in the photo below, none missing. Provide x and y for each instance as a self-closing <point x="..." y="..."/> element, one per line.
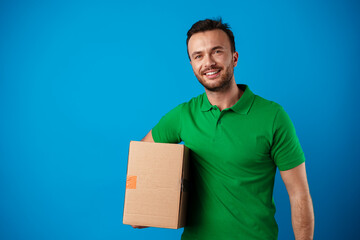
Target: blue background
<point x="80" y="79"/>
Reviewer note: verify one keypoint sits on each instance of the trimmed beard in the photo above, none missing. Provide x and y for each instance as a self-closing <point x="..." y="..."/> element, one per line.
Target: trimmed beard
<point x="222" y="84"/>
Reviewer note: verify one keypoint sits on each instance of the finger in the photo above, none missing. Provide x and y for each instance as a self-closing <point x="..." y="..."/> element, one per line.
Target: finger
<point x="138" y="227"/>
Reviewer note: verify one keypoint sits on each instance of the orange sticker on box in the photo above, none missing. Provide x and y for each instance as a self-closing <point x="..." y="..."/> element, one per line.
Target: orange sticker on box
<point x="131" y="182"/>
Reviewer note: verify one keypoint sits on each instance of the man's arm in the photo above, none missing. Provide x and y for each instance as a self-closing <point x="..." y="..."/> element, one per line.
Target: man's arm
<point x="147" y="138"/>
<point x="302" y="212"/>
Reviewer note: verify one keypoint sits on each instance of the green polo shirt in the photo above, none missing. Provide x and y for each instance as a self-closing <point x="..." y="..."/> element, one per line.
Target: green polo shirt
<point x="234" y="155"/>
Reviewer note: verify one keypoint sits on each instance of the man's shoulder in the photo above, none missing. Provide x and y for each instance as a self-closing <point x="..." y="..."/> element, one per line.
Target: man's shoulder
<point x="193" y="103"/>
<point x="265" y="105"/>
<point x="188" y="107"/>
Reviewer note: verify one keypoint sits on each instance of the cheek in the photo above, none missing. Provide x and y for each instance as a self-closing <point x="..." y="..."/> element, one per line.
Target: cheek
<point x="223" y="60"/>
<point x="195" y="67"/>
<point x="229" y="62"/>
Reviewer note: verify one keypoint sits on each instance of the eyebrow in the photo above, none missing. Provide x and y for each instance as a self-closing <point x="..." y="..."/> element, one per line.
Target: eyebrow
<point x="214" y="48"/>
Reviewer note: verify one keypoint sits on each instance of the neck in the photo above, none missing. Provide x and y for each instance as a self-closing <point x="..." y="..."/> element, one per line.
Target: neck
<point x="226" y="98"/>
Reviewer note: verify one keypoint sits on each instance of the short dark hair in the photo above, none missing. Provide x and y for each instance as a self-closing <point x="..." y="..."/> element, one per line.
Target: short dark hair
<point x="210" y="24"/>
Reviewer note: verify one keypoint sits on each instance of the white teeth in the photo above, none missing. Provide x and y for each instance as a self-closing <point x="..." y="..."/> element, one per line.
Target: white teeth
<point x="212" y="73"/>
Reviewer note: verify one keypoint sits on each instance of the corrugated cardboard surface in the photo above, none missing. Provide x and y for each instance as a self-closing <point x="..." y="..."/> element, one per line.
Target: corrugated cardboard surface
<point x="154" y="195"/>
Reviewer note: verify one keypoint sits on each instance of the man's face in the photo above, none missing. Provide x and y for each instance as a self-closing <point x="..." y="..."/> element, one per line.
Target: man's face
<point x="212" y="60"/>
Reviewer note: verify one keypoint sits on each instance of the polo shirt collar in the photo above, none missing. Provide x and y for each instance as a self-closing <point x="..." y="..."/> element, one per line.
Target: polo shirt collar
<point x="242" y="106"/>
<point x="205" y="104"/>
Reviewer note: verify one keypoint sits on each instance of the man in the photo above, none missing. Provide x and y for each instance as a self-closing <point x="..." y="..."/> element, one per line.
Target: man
<point x="237" y="140"/>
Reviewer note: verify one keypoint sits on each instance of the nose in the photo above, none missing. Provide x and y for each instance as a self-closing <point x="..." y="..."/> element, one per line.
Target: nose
<point x="208" y="61"/>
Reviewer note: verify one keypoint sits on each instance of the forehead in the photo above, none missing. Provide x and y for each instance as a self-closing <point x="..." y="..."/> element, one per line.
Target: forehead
<point x="203" y="41"/>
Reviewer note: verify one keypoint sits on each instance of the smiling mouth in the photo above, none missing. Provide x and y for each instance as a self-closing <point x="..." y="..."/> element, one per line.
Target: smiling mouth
<point x="212" y="73"/>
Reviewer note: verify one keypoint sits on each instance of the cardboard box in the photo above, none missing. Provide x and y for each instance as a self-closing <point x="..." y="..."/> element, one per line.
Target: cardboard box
<point x="156" y="185"/>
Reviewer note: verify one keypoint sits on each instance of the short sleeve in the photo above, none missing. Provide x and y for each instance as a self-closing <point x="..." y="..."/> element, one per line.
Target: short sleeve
<point x="286" y="150"/>
<point x="168" y="129"/>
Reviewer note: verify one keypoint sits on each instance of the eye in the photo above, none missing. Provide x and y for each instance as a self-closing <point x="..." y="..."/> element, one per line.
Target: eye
<point x="218" y="51"/>
<point x="197" y="57"/>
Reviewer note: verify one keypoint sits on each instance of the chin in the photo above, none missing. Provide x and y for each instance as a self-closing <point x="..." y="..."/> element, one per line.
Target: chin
<point x="216" y="87"/>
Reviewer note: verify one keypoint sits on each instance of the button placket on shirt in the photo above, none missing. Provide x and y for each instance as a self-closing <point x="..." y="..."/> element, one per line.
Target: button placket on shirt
<point x="218" y="117"/>
<point x="222" y="113"/>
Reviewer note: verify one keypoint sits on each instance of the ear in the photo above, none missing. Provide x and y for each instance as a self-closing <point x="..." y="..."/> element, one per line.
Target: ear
<point x="235" y="58"/>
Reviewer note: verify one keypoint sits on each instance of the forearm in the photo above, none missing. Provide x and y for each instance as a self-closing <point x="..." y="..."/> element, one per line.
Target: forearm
<point x="148" y="137"/>
<point x="302" y="216"/>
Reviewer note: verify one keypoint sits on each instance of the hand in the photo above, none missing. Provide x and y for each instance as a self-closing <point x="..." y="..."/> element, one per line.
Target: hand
<point x="138" y="227"/>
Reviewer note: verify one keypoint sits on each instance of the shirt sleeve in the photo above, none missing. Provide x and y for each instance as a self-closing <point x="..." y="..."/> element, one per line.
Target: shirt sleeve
<point x="168" y="129"/>
<point x="286" y="150"/>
